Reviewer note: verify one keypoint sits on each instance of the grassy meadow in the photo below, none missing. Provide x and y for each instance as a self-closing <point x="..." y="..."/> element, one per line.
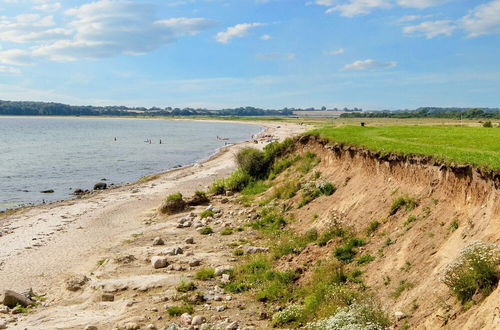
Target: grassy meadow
<point x="477" y="146"/>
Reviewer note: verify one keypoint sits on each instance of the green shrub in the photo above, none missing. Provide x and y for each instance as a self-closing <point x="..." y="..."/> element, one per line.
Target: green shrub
<point x="346" y="252"/>
<point x="238" y="252"/>
<point x="309" y="161"/>
<point x="365" y="259"/>
<point x="403" y="285"/>
<point x="327" y="236"/>
<point x="226" y="231"/>
<point x="287" y="190"/>
<point x="410" y="219"/>
<point x="276" y="149"/>
<point x="403" y="201"/>
<point x="174" y="197"/>
<point x="454" y="225"/>
<point x="218" y="187"/>
<point x="205" y="274"/>
<point x="206" y="230"/>
<point x="237" y="181"/>
<point x="255" y="188"/>
<point x="186" y="286"/>
<point x="207" y="214"/>
<point x="290" y="314"/>
<point x="269" y="222"/>
<point x="281" y="165"/>
<point x="475" y="270"/>
<point x="372" y="227"/>
<point x="252" y="162"/>
<point x="290" y="242"/>
<point x="326" y="188"/>
<point x="487" y="124"/>
<point x="179" y="310"/>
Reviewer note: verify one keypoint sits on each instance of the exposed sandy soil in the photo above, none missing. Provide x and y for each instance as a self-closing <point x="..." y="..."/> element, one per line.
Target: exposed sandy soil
<point x="43" y="245"/>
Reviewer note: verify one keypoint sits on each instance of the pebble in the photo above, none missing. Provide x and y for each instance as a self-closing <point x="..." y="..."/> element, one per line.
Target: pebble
<point x="233" y="326"/>
<point x="399" y="315"/>
<point x="90" y="327"/>
<point x="4" y="310"/>
<point x="198" y="320"/>
<point x="186" y="318"/>
<point x="158" y="241"/>
<point x="220" y="308"/>
<point x="189" y="240"/>
<point x="222" y="269"/>
<point x="194" y="262"/>
<point x="226" y="278"/>
<point x="3" y="324"/>
<point x="151" y="327"/>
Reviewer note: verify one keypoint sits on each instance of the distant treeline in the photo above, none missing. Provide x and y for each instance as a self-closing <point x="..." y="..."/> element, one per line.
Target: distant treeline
<point x="59" y="109"/>
<point x="430" y="112"/>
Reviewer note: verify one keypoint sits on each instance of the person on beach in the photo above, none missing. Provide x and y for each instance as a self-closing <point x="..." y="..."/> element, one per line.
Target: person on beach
<point x="160" y="141"/>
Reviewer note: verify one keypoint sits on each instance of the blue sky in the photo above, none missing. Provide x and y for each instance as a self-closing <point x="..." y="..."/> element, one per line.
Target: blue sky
<point x="374" y="54"/>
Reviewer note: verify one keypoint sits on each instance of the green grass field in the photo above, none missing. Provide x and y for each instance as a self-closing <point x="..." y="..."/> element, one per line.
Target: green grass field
<point x="477" y="146"/>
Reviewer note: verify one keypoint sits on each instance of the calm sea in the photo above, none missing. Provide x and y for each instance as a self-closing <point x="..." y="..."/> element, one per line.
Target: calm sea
<point x="63" y="154"/>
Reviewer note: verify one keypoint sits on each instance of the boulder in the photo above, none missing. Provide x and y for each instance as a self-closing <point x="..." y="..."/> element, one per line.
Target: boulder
<point x="159" y="262"/>
<point x="222" y="269"/>
<point x="12" y="299"/>
<point x="100" y="186"/>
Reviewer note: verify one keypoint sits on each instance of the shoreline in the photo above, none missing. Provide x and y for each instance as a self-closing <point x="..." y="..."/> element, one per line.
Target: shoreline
<point x="42" y="242"/>
<point x="216" y="152"/>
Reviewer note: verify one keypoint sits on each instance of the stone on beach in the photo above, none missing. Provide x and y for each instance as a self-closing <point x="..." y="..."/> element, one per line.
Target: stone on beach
<point x="158" y="241"/>
<point x="12" y="299"/>
<point x="159" y="262"/>
<point x="75" y="283"/>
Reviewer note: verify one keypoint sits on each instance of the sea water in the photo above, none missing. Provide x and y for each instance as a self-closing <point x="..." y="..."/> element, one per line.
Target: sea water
<point x="65" y="154"/>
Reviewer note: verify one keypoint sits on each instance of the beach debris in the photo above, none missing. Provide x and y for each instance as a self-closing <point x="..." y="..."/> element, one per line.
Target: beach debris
<point x="158" y="241"/>
<point x="159" y="262"/>
<point x="100" y="186"/>
<point x="75" y="283"/>
<point x="12" y="299"/>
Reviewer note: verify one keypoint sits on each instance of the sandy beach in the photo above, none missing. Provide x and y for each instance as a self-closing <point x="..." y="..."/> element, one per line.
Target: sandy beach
<point x="42" y="245"/>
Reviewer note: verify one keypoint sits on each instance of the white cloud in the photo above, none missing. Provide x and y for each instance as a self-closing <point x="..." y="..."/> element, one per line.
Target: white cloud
<point x="359" y="7"/>
<point x="8" y="69"/>
<point x="335" y="51"/>
<point x="237" y="31"/>
<point x="483" y="19"/>
<point x="369" y="64"/>
<point x="107" y="28"/>
<point x="30" y="27"/>
<point x="408" y="18"/>
<point x="276" y="56"/>
<point x="265" y="37"/>
<point x="16" y="57"/>
<point x="420" y="4"/>
<point x="47" y="6"/>
<point x="431" y="29"/>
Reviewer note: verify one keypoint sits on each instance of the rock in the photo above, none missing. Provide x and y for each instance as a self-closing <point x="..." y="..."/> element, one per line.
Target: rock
<point x="3" y="324"/>
<point x="12" y="298"/>
<point x="220" y="308"/>
<point x="107" y="297"/>
<point x="399" y="315"/>
<point x="233" y="326"/>
<point x="158" y="241"/>
<point x="189" y="240"/>
<point x="75" y="283"/>
<point x="223" y="269"/>
<point x="186" y="318"/>
<point x="131" y="326"/>
<point x="172" y="326"/>
<point x="194" y="262"/>
<point x="159" y="262"/>
<point x="4" y="310"/>
<point x="100" y="186"/>
<point x="228" y="298"/>
<point x="49" y="191"/>
<point x="151" y="327"/>
<point x="174" y="251"/>
<point x="198" y="320"/>
<point x="255" y="249"/>
<point x="90" y="327"/>
<point x="198" y="199"/>
<point x="79" y="192"/>
<point x="226" y="278"/>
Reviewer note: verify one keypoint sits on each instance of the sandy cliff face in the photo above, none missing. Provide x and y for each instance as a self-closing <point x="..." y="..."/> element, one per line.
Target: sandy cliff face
<point x="415" y="245"/>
